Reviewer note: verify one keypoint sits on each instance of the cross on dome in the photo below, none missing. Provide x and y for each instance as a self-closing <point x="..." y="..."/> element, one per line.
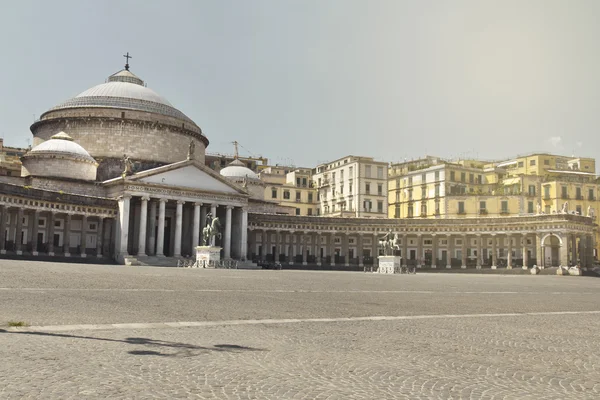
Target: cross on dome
<point x="127" y="57"/>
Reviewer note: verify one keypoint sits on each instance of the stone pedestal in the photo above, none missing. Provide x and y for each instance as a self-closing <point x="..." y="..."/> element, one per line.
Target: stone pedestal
<point x="208" y="256"/>
<point x="389" y="264"/>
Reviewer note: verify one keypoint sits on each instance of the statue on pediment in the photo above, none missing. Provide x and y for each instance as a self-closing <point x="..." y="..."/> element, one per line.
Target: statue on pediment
<point x="127" y="166"/>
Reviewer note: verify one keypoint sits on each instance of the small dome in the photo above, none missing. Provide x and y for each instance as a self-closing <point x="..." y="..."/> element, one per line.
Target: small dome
<point x="237" y="169"/>
<point x="61" y="144"/>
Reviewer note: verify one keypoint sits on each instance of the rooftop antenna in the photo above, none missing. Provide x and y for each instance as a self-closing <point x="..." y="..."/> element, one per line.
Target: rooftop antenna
<point x="127" y="57"/>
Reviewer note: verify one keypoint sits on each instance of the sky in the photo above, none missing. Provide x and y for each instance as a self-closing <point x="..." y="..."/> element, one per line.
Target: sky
<point x="303" y="82"/>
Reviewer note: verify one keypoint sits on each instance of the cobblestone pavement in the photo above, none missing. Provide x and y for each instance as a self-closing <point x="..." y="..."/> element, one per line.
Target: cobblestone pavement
<point x="549" y="355"/>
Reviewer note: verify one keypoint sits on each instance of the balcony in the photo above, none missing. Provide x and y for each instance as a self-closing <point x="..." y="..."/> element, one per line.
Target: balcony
<point x="483" y="211"/>
<point x="564" y="196"/>
<point x="580" y="197"/>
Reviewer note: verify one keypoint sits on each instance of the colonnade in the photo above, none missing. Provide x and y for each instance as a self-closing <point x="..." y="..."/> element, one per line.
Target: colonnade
<point x="438" y="250"/>
<point x="35" y="231"/>
<point x="150" y="227"/>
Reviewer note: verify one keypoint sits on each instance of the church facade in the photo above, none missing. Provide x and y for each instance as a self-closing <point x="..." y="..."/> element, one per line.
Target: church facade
<point x="118" y="173"/>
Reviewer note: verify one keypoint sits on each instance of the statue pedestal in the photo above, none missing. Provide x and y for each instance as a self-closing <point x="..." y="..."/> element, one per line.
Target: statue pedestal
<point x="389" y="264"/>
<point x="208" y="256"/>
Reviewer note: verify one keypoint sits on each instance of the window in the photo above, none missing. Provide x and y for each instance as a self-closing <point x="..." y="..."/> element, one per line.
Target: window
<point x="437" y="175"/>
<point x="563" y="192"/>
<point x="423" y="209"/>
<point x="482" y="206"/>
<point x="463" y="177"/>
<point x="397" y="196"/>
<point x="410" y="194"/>
<point x="437" y="208"/>
<point x="452" y="176"/>
<point x="410" y="180"/>
<point x="397" y="183"/>
<point x="461" y="207"/>
<point x="397" y="211"/>
<point x="578" y="193"/>
<point x="310" y="197"/>
<point x="546" y="192"/>
<point x="532" y="190"/>
<point x="546" y="162"/>
<point x="298" y="196"/>
<point x="367" y="188"/>
<point x="350" y="169"/>
<point x="547" y="209"/>
<point x="303" y="181"/>
<point x="423" y="178"/>
<point x="471" y="178"/>
<point x="350" y="188"/>
<point x="286" y="195"/>
<point x="530" y="207"/>
<point x="297" y="181"/>
<point x="367" y="171"/>
<point x="379" y="206"/>
<point x="380" y="189"/>
<point x="410" y="211"/>
<point x="578" y="210"/>
<point x="590" y="194"/>
<point x="297" y="211"/>
<point x="531" y="163"/>
<point x="521" y="164"/>
<point x="437" y="190"/>
<point x="423" y="192"/>
<point x="273" y="193"/>
<point x="309" y="211"/>
<point x="379" y="172"/>
<point x="92" y="227"/>
<point x="504" y="206"/>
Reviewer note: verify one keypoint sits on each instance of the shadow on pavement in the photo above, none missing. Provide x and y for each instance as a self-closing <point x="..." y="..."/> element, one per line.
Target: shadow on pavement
<point x="182" y="349"/>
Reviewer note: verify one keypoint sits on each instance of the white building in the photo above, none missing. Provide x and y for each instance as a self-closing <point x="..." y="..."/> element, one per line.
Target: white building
<point x="352" y="187"/>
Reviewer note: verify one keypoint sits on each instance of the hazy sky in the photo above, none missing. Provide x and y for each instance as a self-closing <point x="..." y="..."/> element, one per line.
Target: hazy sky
<point x="309" y="81"/>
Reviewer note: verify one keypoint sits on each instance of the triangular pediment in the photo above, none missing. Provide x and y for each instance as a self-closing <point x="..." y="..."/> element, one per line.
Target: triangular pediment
<point x="188" y="174"/>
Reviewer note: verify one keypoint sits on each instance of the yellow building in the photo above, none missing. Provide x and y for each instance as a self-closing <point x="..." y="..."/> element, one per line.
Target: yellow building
<point x="432" y="187"/>
<point x="290" y="187"/>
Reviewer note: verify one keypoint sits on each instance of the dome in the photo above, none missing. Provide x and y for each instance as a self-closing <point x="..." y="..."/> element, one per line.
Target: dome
<point x="124" y="90"/>
<point x="237" y="169"/>
<point x="61" y="144"/>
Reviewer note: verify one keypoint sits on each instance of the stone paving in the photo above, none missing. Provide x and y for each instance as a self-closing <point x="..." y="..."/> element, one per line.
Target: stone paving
<point x="550" y="355"/>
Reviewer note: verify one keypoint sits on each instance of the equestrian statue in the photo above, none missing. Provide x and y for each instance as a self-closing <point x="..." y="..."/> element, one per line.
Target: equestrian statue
<point x="211" y="230"/>
<point x="389" y="243"/>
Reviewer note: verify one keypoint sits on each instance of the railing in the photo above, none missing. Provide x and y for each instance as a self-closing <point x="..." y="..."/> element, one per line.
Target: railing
<point x="192" y="263"/>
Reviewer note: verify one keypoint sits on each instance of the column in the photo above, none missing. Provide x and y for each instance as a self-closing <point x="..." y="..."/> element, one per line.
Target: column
<point x="479" y="251"/>
<point x="267" y="243"/>
<point x="345" y="239"/>
<point x="213" y="213"/>
<point x="509" y="251"/>
<point x="359" y="249"/>
<point x="278" y="239"/>
<point x="574" y="252"/>
<point x="160" y="236"/>
<point x="67" y="237"/>
<point x="332" y="248"/>
<point x="100" y="238"/>
<point x="404" y="250"/>
<point x="434" y="251"/>
<point x="203" y="211"/>
<point x="178" y="227"/>
<point x="151" y="238"/>
<point x="525" y="257"/>
<point x="143" y="226"/>
<point x="84" y="226"/>
<point x="34" y="233"/>
<point x="318" y="248"/>
<point x="18" y="230"/>
<point x="375" y="251"/>
<point x="3" y="214"/>
<point x="287" y="248"/>
<point x="227" y="238"/>
<point x="123" y="224"/>
<point x="450" y="252"/>
<point x="51" y="219"/>
<point x="582" y="251"/>
<point x="463" y="263"/>
<point x="540" y="251"/>
<point x="419" y="250"/>
<point x="494" y="251"/>
<point x="303" y="240"/>
<point x="244" y="236"/>
<point x="196" y="229"/>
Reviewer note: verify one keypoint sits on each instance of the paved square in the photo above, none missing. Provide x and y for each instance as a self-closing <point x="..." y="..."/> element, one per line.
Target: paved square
<point x="294" y="335"/>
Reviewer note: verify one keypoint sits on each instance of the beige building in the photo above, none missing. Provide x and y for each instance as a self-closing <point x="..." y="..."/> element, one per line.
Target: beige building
<point x="290" y="187"/>
<point x="10" y="162"/>
<point x="352" y="187"/>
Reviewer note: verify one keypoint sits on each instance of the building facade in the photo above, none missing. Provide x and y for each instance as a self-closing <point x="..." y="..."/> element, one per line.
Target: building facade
<point x="290" y="188"/>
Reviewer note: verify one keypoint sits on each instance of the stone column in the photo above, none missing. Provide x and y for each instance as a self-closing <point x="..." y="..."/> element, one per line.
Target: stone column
<point x="582" y="251"/>
<point x="213" y="213"/>
<point x="332" y="248"/>
<point x="540" y="251"/>
<point x="419" y="250"/>
<point x="479" y="251"/>
<point x="244" y="235"/>
<point x="463" y="264"/>
<point x="67" y="236"/>
<point x="100" y="238"/>
<point x="266" y="243"/>
<point x="227" y="238"/>
<point x="288" y="247"/>
<point x="151" y="250"/>
<point x="123" y="224"/>
<point x="318" y="248"/>
<point x="34" y="232"/>
<point x="196" y="228"/>
<point x="303" y="247"/>
<point x="345" y="239"/>
<point x="434" y="251"/>
<point x="143" y="227"/>
<point x="509" y="251"/>
<point x="494" y="251"/>
<point x="404" y="250"/>
<point x="359" y="249"/>
<point x="84" y="226"/>
<point x="278" y="239"/>
<point x="450" y="252"/>
<point x="178" y="228"/>
<point x="160" y="236"/>
<point x="3" y="214"/>
<point x="51" y="218"/>
<point x="375" y="250"/>
<point x="203" y="211"/>
<point x="574" y="252"/>
<point x="18" y="230"/>
<point x="525" y="257"/>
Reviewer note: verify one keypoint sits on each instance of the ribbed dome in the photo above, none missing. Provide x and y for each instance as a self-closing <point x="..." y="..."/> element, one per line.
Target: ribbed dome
<point x="61" y="144"/>
<point x="124" y="90"/>
<point x="237" y="169"/>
